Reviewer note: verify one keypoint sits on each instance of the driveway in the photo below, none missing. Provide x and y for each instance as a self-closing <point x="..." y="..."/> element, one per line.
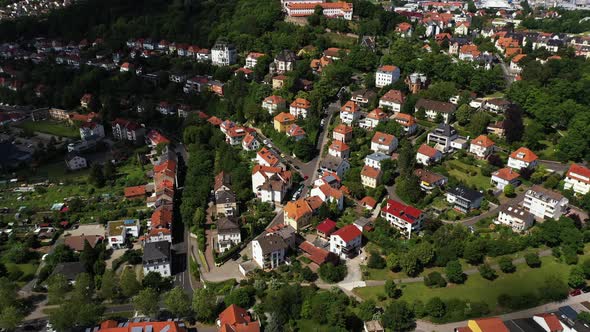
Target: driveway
<point x="354" y="278"/>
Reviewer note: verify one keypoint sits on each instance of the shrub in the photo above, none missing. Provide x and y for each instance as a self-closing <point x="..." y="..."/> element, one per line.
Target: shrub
<point x="435" y="279"/>
<point x="532" y="260"/>
<point x="332" y="273"/>
<point x="506" y="265"/>
<point x="376" y="261"/>
<point x="487" y="272"/>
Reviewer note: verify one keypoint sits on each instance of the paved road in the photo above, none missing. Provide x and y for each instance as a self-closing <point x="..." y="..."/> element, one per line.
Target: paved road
<point x="555" y="166"/>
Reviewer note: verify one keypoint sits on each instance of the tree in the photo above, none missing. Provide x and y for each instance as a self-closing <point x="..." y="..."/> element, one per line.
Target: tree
<point x="154" y="280"/>
<point x="242" y="297"/>
<point x="398" y="317"/>
<point x="147" y="301"/>
<point x="463" y="114"/>
<point x="506" y="265"/>
<point x="474" y="251"/>
<point x="129" y="284"/>
<point x="435" y="307"/>
<point x="410" y="264"/>
<point x="83" y="288"/>
<point x="392" y="290"/>
<point x="479" y="122"/>
<point x="178" y="302"/>
<point x="96" y="176"/>
<point x="204" y="305"/>
<point x="509" y="190"/>
<point x="424" y="252"/>
<point x="554" y="289"/>
<point x="584" y="316"/>
<point x="366" y="310"/>
<point x="10" y="318"/>
<point x="332" y="273"/>
<point x="376" y="261"/>
<point x="308" y="275"/>
<point x="108" y="285"/>
<point x="454" y="272"/>
<point x="532" y="260"/>
<point x="110" y="171"/>
<point x="57" y="288"/>
<point x="435" y="279"/>
<point x="88" y="257"/>
<point x="487" y="272"/>
<point x="17" y="253"/>
<point x="408" y="188"/>
<point x="63" y="318"/>
<point x="577" y="278"/>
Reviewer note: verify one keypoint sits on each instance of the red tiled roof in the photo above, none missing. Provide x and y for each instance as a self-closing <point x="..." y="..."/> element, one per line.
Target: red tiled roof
<point x="405" y="212"/>
<point x="578" y="171"/>
<point x="237" y="319"/>
<point x="343" y="129"/>
<point x="524" y="154"/>
<point x="552" y="322"/>
<point x="506" y="173"/>
<point x="327" y="226"/>
<point x="427" y="151"/>
<point x="368" y="201"/>
<point x="339" y="146"/>
<point x="109" y="326"/>
<point x="383" y="138"/>
<point x="317" y="255"/>
<point x="517" y="58"/>
<point x="157" y="138"/>
<point x="492" y="324"/>
<point x="274" y="99"/>
<point x="482" y="140"/>
<point x="370" y="172"/>
<point x="301" y="103"/>
<point x="77" y="242"/>
<point x="162" y="217"/>
<point x="135" y="191"/>
<point x="394" y="96"/>
<point x="215" y="121"/>
<point x="387" y="68"/>
<point x="284" y="117"/>
<point x="348" y="233"/>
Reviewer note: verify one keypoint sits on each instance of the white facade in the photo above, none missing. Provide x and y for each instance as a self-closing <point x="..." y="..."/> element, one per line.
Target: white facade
<point x="543" y="203"/>
<point x="386" y="75"/>
<point x="91" y="131"/>
<point x="349" y="117"/>
<point x="515" y="218"/>
<point x="480" y="151"/>
<point x="77" y="162"/>
<point x="297" y="111"/>
<point x="516" y="163"/>
<point x="577" y="182"/>
<point x="341" y="248"/>
<point x="269" y="261"/>
<point x="226" y="240"/>
<point x="162" y="268"/>
<point x="223" y="54"/>
<point x="384" y="148"/>
<point x="374" y="159"/>
<point x="391" y="105"/>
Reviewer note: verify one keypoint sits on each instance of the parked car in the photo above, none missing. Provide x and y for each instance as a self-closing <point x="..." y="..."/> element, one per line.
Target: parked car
<point x="575" y="292"/>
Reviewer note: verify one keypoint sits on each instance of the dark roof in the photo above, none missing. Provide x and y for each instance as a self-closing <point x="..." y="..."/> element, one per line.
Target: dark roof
<point x="286" y="55"/>
<point x="270" y="243"/>
<point x="523" y="325"/>
<point x="466" y="193"/>
<point x="153" y="251"/>
<point x="227" y="225"/>
<point x="438" y="106"/>
<point x="331" y="162"/>
<point x="224" y="196"/>
<point x="364" y="93"/>
<point x="70" y="270"/>
<point x="9" y="154"/>
<point x="445" y="130"/>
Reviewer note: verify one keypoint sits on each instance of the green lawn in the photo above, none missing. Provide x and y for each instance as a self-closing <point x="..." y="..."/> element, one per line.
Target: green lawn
<point x="51" y="127"/>
<point x="340" y="40"/>
<point x="457" y="169"/>
<point x="524" y="280"/>
<point x="309" y="325"/>
<point x="549" y="151"/>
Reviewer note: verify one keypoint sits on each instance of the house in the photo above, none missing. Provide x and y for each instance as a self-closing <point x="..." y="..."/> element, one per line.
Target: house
<point x="306" y="8"/>
<point x="462" y="28"/>
<point x="368" y="202"/>
<point x="154" y="138"/>
<point x="407" y="121"/>
<point x="119" y="230"/>
<point x="434" y="109"/>
<point x="157" y="258"/>
<point x="250" y="143"/>
<point x="334" y="165"/>
<point x="469" y="52"/>
<point x="135" y="192"/>
<point x="248" y="73"/>
<point x="91" y="130"/>
<point x="363" y="97"/>
<point x="335" y="53"/>
<point x="76" y="242"/>
<point x="223" y="53"/>
<point x="326" y="228"/>
<point x="346" y="242"/>
<point x="69" y="270"/>
<point x="392" y="100"/>
<point x="226" y="125"/>
<point x="125" y="130"/>
<point x="318" y="255"/>
<point x="349" y="113"/>
<point x="373" y="325"/>
<point x="445" y="138"/>
<point x="330" y="179"/>
<point x="427" y="155"/>
<point x="285" y="61"/>
<point x="283" y="121"/>
<point x="577" y="179"/>
<point x="297" y="214"/>
<point x="339" y="149"/>
<point x="386" y="75"/>
<point x="342" y="133"/>
<point x="228" y="234"/>
<point x="296" y="132"/>
<point x="279" y="81"/>
<point x="497" y="105"/>
<point x="86" y="100"/>
<point x="75" y="161"/>
<point x="252" y="59"/>
<point x="140" y="326"/>
<point x="286" y="232"/>
<point x="266" y="157"/>
<point x="430" y="180"/>
<point x="544" y="203"/>
<point x="162" y="217"/>
<point x="482" y="146"/>
<point x="374" y="159"/>
<point x="270" y="184"/>
<point x="234" y="319"/>
<point x="166" y="108"/>
<point x="464" y="199"/>
<point x="371" y="177"/>
<point x="522" y="158"/>
<point x="225" y="199"/>
<point x="404" y="29"/>
<point x="373" y="119"/>
<point x="300" y="108"/>
<point x="405" y="218"/>
<point x="235" y="135"/>
<point x="550" y="322"/>
<point x="273" y="104"/>
<point x="330" y="195"/>
<point x="318" y="65"/>
<point x="416" y="82"/>
<point x="516" y="62"/>
<point x="497" y="128"/>
<point x="268" y="250"/>
<point x="503" y="177"/>
<point x="515" y="217"/>
<point x="382" y="142"/>
<point x="491" y="324"/>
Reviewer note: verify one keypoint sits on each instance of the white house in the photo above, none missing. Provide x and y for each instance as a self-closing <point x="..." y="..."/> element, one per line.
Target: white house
<point x="268" y="251"/>
<point x="270" y="184"/>
<point x="349" y="113"/>
<point x="405" y="218"/>
<point x="407" y="121"/>
<point x="433" y="109"/>
<point x="91" y="130"/>
<point x="252" y="59"/>
<point x="373" y="119"/>
<point x="382" y="142"/>
<point x="549" y="322"/>
<point x="75" y="162"/>
<point x="223" y="54"/>
<point x="427" y="155"/>
<point x="339" y="149"/>
<point x="119" y="230"/>
<point x="346" y="242"/>
<point x="481" y="146"/>
<point x="544" y="203"/>
<point x="515" y="217"/>
<point x="157" y="258"/>
<point x="329" y="194"/>
<point x="274" y="104"/>
<point x="228" y="234"/>
<point x="577" y="179"/>
<point x="250" y="143"/>
<point x="446" y="138"/>
<point x="374" y="159"/>
<point x="515" y="63"/>
<point x="503" y="177"/>
<point x="386" y="75"/>
<point x="266" y="157"/>
<point x="392" y="100"/>
<point x="522" y="158"/>
<point x="285" y="61"/>
<point x="300" y="107"/>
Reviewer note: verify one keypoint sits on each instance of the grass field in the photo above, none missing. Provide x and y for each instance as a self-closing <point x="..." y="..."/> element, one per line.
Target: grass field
<point x="456" y="169"/>
<point x="340" y="40"/>
<point x="476" y="288"/>
<point x="51" y="127"/>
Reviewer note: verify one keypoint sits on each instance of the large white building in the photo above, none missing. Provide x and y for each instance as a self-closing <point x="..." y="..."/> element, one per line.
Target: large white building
<point x="91" y="130"/>
<point x="405" y="218"/>
<point x="119" y="230"/>
<point x="228" y="234"/>
<point x="516" y="218"/>
<point x="157" y="258"/>
<point x="329" y="9"/>
<point x="522" y="158"/>
<point x="268" y="250"/>
<point x="386" y="75"/>
<point x="346" y="242"/>
<point x="543" y="203"/>
<point x="577" y="179"/>
<point x="270" y="184"/>
<point x="223" y="54"/>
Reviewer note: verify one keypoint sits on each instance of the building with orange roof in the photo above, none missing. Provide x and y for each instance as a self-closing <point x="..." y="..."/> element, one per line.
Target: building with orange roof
<point x="162" y="217"/>
<point x="373" y="119"/>
<point x="317" y="65"/>
<point x="346" y="242"/>
<point x="368" y="202"/>
<point x="300" y="108"/>
<point x="342" y="133"/>
<point x="510" y="51"/>
<point x="482" y="146"/>
<point x="339" y="149"/>
<point x="427" y="155"/>
<point x="469" y="52"/>
<point x="371" y="176"/>
<point x="283" y="121"/>
<point x="250" y="143"/>
<point x="491" y="324"/>
<point x="386" y="75"/>
<point x="550" y="322"/>
<point x="317" y="255"/>
<point x="273" y="104"/>
<point x="522" y="158"/>
<point x="266" y="157"/>
<point x="252" y="59"/>
<point x="296" y="132"/>
<point x="113" y="326"/>
<point x="270" y="184"/>
<point x="577" y="179"/>
<point x="329" y="9"/>
<point x="382" y="142"/>
<point x="503" y="177"/>
<point x="279" y="81"/>
<point x="329" y="194"/>
<point x="236" y="319"/>
<point x="407" y="121"/>
<point x="298" y="213"/>
<point x="392" y="100"/>
<point x="349" y="113"/>
<point x="404" y="29"/>
<point x="135" y="192"/>
<point x="334" y="53"/>
<point x="215" y="121"/>
<point x="516" y="63"/>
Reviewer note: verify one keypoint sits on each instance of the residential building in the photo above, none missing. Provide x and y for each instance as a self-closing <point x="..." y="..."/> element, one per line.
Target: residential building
<point x="235" y="135"/>
<point x="119" y="230"/>
<point x="266" y="157"/>
<point x="346" y="242"/>
<point x="363" y="97"/>
<point x="339" y="149"/>
<point x="250" y="143"/>
<point x="125" y="130"/>
<point x="268" y="251"/>
<point x="373" y="119"/>
<point x="374" y="159"/>
<point x="270" y="184"/>
<point x="342" y="133"/>
<point x="279" y="81"/>
<point x="497" y="128"/>
<point x="404" y="29"/>
<point x="252" y="59"/>
<point x="577" y="179"/>
<point x="157" y="258"/>
<point x="225" y="203"/>
<point x="233" y="319"/>
<point x="91" y="130"/>
<point x="416" y="82"/>
<point x="158" y="234"/>
<point x="491" y="324"/>
<point x="86" y="100"/>
<point x="407" y="121"/>
<point x="392" y="100"/>
<point x="544" y="203"/>
<point x="140" y="326"/>
<point x="503" y="177"/>
<point x="434" y="109"/>
<point x="334" y="165"/>
<point x="370" y="177"/>
<point x="482" y="146"/>
<point x="386" y="75"/>
<point x="154" y="138"/>
<point x="274" y="104"/>
<point x="464" y="199"/>
<point x="497" y="105"/>
<point x="430" y="180"/>
<point x="522" y="158"/>
<point x="228" y="234"/>
<point x="405" y="218"/>
<point x="223" y="53"/>
<point x="285" y="61"/>
<point x="135" y="192"/>
<point x="296" y="132"/>
<point x="382" y="142"/>
<point x="445" y="138"/>
<point x="306" y="8"/>
<point x="283" y="121"/>
<point x="515" y="217"/>
<point x="326" y="228"/>
<point x="69" y="270"/>
<point x="516" y="62"/>
<point x="77" y="242"/>
<point x="550" y="322"/>
<point x="300" y="108"/>
<point x="330" y="195"/>
<point x="349" y="113"/>
<point x="297" y="214"/>
<point x="75" y="161"/>
<point x="427" y="155"/>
